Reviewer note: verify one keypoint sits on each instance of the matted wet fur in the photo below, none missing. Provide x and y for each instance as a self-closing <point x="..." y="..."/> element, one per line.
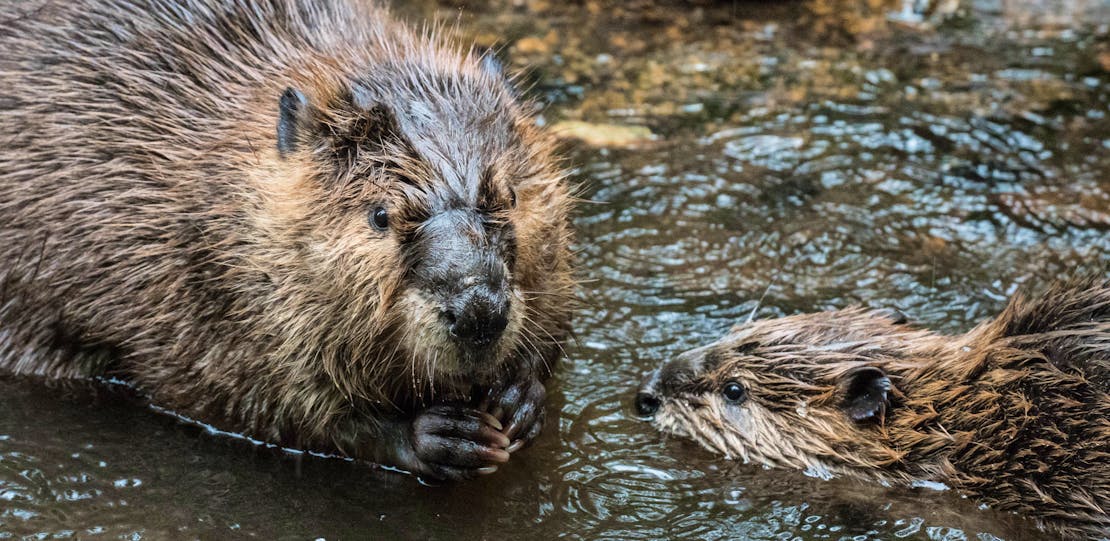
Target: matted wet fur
<point x="1015" y="413"/>
<point x="257" y="211"/>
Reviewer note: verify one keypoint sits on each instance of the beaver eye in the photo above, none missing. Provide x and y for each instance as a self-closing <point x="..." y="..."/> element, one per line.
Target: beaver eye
<point x="379" y="218"/>
<point x="734" y="392"/>
<point x="512" y="198"/>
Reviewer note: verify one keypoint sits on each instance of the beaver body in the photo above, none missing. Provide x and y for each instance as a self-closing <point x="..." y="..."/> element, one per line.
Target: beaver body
<point x="1015" y="413"/>
<point x="295" y="219"/>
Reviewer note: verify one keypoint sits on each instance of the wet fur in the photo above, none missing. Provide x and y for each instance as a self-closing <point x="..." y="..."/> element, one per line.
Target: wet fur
<point x="1015" y="413"/>
<point x="153" y="232"/>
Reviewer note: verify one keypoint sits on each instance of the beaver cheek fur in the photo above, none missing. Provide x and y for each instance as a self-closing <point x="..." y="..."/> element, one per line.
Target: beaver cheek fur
<point x="748" y="432"/>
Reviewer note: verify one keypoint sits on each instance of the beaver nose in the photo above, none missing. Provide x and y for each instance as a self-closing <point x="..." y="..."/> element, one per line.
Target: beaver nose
<point x="647" y="402"/>
<point x="478" y="316"/>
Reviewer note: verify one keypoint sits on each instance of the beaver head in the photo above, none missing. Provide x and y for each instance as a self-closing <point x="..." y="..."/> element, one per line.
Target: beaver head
<point x="808" y="391"/>
<point x="424" y="213"/>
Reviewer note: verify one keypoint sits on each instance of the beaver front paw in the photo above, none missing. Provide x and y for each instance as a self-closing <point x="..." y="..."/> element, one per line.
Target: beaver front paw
<point x="452" y="443"/>
<point x="519" y="407"/>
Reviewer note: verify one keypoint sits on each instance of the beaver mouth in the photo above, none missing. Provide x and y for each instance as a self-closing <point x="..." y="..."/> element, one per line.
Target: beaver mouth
<point x="670" y="420"/>
<point x="438" y="348"/>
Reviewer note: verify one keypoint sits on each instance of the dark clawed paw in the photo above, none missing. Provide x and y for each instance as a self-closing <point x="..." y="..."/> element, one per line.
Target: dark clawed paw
<point x="452" y="443"/>
<point x="520" y="408"/>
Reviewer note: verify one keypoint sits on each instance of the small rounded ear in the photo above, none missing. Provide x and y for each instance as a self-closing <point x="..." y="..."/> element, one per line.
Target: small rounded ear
<point x="864" y="392"/>
<point x="493" y="65"/>
<point x="895" y="315"/>
<point x="351" y="120"/>
<point x="292" y="110"/>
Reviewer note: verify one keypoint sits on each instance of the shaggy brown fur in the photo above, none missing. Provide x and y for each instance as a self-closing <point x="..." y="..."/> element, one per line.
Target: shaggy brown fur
<point x="1015" y="413"/>
<point x="153" y="231"/>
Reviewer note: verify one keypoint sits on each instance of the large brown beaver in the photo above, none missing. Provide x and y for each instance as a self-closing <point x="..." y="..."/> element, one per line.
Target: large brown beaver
<point x="1015" y="413"/>
<point x="295" y="219"/>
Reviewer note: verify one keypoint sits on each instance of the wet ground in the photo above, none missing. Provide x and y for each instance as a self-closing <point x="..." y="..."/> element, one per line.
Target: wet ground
<point x="827" y="153"/>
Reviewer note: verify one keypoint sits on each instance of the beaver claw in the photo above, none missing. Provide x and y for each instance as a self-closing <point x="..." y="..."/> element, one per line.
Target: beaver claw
<point x="519" y="407"/>
<point x="452" y="443"/>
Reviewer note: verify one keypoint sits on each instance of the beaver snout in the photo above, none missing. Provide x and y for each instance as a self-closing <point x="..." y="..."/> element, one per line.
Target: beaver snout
<point x="670" y="380"/>
<point x="477" y="317"/>
<point x="647" y="399"/>
<point x="462" y="267"/>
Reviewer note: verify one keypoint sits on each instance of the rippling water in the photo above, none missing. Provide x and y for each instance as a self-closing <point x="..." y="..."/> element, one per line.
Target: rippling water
<point x="816" y="161"/>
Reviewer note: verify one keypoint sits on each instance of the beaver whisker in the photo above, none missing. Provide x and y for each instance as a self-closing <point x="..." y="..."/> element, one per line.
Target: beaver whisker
<point x="412" y="372"/>
<point x="550" y="340"/>
<point x="430" y="370"/>
<point x="525" y="340"/>
<point x="535" y="341"/>
<point x="563" y="294"/>
<point x="759" y="303"/>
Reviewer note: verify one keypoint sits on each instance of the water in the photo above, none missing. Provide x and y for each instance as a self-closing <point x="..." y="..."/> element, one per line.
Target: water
<point x="816" y="152"/>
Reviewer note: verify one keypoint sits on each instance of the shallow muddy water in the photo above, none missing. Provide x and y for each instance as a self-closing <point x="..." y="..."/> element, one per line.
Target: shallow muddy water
<point x="823" y="153"/>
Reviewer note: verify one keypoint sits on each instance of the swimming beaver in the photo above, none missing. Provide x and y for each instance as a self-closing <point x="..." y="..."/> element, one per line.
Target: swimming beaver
<point x="1015" y="413"/>
<point x="295" y="219"/>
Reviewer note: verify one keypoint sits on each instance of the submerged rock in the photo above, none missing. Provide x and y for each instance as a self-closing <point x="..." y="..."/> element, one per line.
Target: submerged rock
<point x="603" y="135"/>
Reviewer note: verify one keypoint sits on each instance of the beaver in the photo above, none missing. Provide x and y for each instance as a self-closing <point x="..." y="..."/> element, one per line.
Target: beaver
<point x="1015" y="413"/>
<point x="298" y="220"/>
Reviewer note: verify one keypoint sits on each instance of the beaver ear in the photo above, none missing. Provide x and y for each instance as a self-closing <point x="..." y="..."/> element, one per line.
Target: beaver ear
<point x="895" y="315"/>
<point x="366" y="122"/>
<point x="374" y="125"/>
<point x="493" y="65"/>
<point x="292" y="111"/>
<point x="864" y="393"/>
<point x="376" y="122"/>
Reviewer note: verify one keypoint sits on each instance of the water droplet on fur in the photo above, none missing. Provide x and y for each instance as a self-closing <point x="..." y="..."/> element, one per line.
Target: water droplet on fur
<point x="802" y="410"/>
